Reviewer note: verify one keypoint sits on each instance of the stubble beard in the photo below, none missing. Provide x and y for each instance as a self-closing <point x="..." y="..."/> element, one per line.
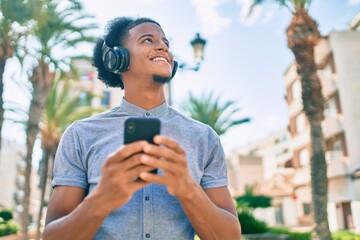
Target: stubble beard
<point x="161" y="79"/>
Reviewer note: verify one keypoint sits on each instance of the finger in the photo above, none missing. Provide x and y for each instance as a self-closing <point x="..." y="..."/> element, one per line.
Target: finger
<point x="161" y="152"/>
<point x="131" y="162"/>
<point x="135" y="172"/>
<point x="169" y="143"/>
<point x="153" y="178"/>
<point x="126" y="151"/>
<point x="159" y="163"/>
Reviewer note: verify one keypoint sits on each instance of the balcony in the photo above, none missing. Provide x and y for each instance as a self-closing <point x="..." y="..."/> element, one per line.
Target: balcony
<point x="295" y="106"/>
<point x="328" y="85"/>
<point x="302" y="176"/>
<point x="337" y="166"/>
<point x="332" y="125"/>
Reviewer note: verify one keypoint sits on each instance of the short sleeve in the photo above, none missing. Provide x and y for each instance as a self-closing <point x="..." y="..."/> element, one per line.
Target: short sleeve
<point x="215" y="169"/>
<point x="69" y="165"/>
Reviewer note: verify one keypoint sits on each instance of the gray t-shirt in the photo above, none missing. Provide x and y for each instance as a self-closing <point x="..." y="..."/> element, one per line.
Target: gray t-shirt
<point x="152" y="213"/>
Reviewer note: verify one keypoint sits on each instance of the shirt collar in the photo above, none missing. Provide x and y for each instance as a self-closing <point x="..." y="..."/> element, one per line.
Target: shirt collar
<point x="137" y="111"/>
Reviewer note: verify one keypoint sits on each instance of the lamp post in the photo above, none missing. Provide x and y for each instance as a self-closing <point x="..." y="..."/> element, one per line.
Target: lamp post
<point x="198" y="45"/>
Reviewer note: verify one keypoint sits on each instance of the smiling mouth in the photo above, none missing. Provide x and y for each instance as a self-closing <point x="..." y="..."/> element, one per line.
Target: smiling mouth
<point x="159" y="59"/>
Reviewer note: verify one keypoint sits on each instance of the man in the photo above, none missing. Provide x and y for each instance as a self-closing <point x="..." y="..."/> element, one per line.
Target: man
<point x="95" y="195"/>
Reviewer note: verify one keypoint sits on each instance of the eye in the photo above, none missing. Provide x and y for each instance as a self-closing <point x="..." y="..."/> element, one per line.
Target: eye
<point x="148" y="40"/>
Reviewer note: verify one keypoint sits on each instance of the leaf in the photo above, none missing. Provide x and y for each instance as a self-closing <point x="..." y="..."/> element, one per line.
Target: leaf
<point x="209" y="110"/>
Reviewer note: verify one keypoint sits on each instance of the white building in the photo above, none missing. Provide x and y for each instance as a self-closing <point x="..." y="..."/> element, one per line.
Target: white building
<point x="338" y="60"/>
<point x="12" y="179"/>
<point x="285" y="165"/>
<point x="103" y="96"/>
<point x="268" y="165"/>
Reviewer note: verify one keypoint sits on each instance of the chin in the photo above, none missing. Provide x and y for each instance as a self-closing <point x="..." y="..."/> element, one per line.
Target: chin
<point x="161" y="79"/>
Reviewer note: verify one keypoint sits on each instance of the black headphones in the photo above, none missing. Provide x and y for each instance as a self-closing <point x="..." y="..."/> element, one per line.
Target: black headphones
<point x="117" y="59"/>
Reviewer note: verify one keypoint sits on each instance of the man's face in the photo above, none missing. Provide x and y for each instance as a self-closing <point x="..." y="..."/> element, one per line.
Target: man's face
<point x="149" y="52"/>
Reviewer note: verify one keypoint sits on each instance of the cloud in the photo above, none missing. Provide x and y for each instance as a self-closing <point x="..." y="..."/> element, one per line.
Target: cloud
<point x="249" y="20"/>
<point x="149" y="2"/>
<point x="207" y="11"/>
<point x="268" y="17"/>
<point x="354" y="2"/>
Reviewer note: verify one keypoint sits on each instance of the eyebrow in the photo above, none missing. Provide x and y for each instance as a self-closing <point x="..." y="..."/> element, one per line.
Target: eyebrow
<point x="152" y="35"/>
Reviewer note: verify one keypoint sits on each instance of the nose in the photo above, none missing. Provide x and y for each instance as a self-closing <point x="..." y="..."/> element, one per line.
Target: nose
<point x="161" y="45"/>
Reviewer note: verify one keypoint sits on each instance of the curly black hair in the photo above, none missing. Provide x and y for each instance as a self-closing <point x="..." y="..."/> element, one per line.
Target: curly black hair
<point x="116" y="32"/>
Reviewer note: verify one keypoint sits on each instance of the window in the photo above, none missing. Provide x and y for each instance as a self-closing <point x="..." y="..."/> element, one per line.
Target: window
<point x="330" y="108"/>
<point x="307" y="208"/>
<point x="337" y="145"/>
<point x="85" y="99"/>
<point x="105" y="100"/>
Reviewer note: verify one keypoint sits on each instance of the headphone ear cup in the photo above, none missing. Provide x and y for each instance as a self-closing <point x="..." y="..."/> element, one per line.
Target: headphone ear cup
<point x="116" y="60"/>
<point x="123" y="59"/>
<point x="176" y="64"/>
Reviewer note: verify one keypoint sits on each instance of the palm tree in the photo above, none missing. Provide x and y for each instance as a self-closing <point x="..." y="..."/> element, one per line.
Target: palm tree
<point x="209" y="110"/>
<point x="63" y="107"/>
<point x="302" y="36"/>
<point x="59" y="24"/>
<point x="13" y="14"/>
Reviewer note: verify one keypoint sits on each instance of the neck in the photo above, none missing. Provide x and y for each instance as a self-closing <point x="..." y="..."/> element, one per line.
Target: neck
<point x="146" y="97"/>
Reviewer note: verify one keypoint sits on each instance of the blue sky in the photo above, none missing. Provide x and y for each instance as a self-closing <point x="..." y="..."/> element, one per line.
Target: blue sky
<point x="245" y="58"/>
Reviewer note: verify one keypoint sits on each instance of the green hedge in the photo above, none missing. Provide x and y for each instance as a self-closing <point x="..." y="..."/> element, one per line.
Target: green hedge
<point x="341" y="235"/>
<point x="345" y="235"/>
<point x="9" y="228"/>
<point x="258" y="201"/>
<point x="292" y="235"/>
<point x="6" y="214"/>
<point x="249" y="224"/>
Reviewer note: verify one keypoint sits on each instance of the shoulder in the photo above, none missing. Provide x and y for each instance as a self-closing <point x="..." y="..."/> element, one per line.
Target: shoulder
<point x="193" y="125"/>
<point x="94" y="123"/>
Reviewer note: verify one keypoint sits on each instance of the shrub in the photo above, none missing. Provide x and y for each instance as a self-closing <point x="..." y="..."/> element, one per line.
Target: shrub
<point x="249" y="224"/>
<point x="255" y="201"/>
<point x="9" y="228"/>
<point x="6" y="214"/>
<point x="292" y="235"/>
<point x="345" y="235"/>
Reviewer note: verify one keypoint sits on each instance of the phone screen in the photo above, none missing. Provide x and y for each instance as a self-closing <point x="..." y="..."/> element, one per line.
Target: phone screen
<point x="137" y="129"/>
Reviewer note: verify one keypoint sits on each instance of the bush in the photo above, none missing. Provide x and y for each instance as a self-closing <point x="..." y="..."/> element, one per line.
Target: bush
<point x="6" y="214"/>
<point x="9" y="228"/>
<point x="345" y="235"/>
<point x="249" y="224"/>
<point x="292" y="235"/>
<point x="255" y="201"/>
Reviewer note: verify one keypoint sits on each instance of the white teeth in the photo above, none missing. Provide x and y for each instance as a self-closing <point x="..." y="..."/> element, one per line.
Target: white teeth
<point x="159" y="59"/>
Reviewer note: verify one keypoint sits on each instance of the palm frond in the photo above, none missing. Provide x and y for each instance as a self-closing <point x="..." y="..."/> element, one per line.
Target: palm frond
<point x="209" y="110"/>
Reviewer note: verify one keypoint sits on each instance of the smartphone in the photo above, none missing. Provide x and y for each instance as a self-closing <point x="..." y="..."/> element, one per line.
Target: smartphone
<point x="137" y="129"/>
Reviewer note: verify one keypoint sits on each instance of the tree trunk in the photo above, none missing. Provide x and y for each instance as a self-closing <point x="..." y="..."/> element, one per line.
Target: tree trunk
<point x="41" y="80"/>
<point x="302" y="37"/>
<point x="43" y="186"/>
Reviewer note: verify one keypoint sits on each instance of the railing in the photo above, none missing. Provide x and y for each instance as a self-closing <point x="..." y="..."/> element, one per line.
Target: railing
<point x="337" y="165"/>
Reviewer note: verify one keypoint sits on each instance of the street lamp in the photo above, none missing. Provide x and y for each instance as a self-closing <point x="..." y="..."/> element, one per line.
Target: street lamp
<point x="198" y="44"/>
